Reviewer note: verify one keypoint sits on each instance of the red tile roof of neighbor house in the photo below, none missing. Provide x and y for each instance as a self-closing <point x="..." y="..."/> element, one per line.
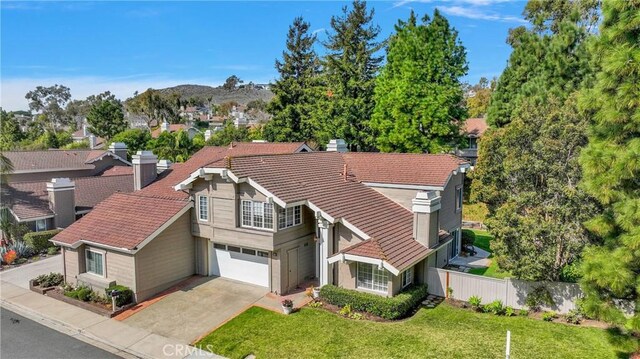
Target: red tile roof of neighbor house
<point x="159" y="200"/>
<point x="123" y="220"/>
<point x="475" y="126"/>
<point x="174" y="127"/>
<point x="31" y="200"/>
<point x="30" y="161"/>
<point x="319" y="178"/>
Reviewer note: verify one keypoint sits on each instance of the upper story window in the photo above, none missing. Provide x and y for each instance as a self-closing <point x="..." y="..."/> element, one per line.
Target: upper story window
<point x="458" y="198"/>
<point x="473" y="142"/>
<point x="372" y="278"/>
<point x="256" y="214"/>
<point x="203" y="208"/>
<point x="289" y="217"/>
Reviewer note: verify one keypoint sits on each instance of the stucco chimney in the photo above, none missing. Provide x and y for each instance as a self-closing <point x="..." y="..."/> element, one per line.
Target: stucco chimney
<point x="144" y="169"/>
<point x="164" y="127"/>
<point x="119" y="149"/>
<point x="92" y="141"/>
<point x="426" y="224"/>
<point x="337" y="145"/>
<point x="163" y="165"/>
<point x="207" y="135"/>
<point x="85" y="131"/>
<point x="62" y="201"/>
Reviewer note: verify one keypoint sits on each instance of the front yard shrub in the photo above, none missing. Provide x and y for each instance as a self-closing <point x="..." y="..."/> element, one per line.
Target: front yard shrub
<point x="9" y="256"/>
<point x="40" y="240"/>
<point x="574" y="316"/>
<point x="315" y="304"/>
<point x="49" y="280"/>
<point x="387" y="308"/>
<point x="494" y="307"/>
<point x="523" y="313"/>
<point x="509" y="312"/>
<point x="53" y="250"/>
<point x="125" y="297"/>
<point x="82" y="293"/>
<point x="549" y="316"/>
<point x="346" y="310"/>
<point x="538" y="297"/>
<point x="476" y="302"/>
<point x="22" y="249"/>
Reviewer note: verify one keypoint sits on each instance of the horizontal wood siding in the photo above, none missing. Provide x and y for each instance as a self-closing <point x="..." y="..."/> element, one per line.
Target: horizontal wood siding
<point x="167" y="259"/>
<point x="121" y="268"/>
<point x="307" y="228"/>
<point x="71" y="264"/>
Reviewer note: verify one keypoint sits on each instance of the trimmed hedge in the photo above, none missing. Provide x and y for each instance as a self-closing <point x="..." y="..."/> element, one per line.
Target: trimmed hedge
<point x="40" y="240"/>
<point x="125" y="297"/>
<point x="388" y="308"/>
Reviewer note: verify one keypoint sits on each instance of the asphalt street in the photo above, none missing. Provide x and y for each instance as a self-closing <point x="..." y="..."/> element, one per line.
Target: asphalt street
<point x="23" y="338"/>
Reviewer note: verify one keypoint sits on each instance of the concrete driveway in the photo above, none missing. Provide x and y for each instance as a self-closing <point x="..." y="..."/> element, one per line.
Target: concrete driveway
<point x="193" y="311"/>
<point x="20" y="276"/>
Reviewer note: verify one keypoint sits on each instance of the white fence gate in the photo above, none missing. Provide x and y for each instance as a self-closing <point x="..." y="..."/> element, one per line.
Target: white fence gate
<point x="511" y="292"/>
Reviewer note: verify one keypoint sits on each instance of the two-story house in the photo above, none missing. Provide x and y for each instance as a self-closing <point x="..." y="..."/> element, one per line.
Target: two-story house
<point x="473" y="130"/>
<point x="269" y="215"/>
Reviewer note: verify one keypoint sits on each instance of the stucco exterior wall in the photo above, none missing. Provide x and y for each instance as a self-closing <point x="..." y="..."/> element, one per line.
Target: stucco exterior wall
<point x="450" y="218"/>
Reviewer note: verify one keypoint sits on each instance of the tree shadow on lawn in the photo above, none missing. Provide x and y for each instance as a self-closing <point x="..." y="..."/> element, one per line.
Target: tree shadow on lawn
<point x="621" y="339"/>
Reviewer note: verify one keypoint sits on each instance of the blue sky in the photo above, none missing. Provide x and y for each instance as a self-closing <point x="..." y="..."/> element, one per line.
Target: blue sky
<point x="92" y="47"/>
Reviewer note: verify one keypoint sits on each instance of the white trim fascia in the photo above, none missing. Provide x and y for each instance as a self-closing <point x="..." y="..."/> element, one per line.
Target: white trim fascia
<point x="163" y="227"/>
<point x="200" y="172"/>
<point x="31" y="219"/>
<point x="354" y="229"/>
<point x="296" y="203"/>
<point x="303" y="146"/>
<point x="83" y="211"/>
<point x="270" y="196"/>
<point x="403" y="186"/>
<point x="109" y="153"/>
<point x="317" y="209"/>
<point x="361" y="259"/>
<point x="17" y="172"/>
<point x="77" y="244"/>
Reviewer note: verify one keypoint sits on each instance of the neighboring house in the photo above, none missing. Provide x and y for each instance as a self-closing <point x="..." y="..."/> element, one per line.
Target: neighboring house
<point x="29" y="166"/>
<point x="473" y="130"/>
<point x="174" y="127"/>
<point x="264" y="214"/>
<point x="84" y="135"/>
<point x="61" y="201"/>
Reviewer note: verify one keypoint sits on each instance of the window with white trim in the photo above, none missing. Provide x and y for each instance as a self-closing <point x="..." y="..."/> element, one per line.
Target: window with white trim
<point x="41" y="225"/>
<point x="458" y="198"/>
<point x="203" y="208"/>
<point x="256" y="214"/>
<point x="94" y="262"/>
<point x="289" y="217"/>
<point x="372" y="278"/>
<point x="407" y="277"/>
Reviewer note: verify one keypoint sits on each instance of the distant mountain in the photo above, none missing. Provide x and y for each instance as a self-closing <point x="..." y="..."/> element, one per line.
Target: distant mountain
<point x="220" y="95"/>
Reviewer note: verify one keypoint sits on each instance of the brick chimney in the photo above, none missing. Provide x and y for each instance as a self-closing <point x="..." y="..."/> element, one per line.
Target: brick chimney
<point x="119" y="149"/>
<point x="337" y="145"/>
<point x="426" y="223"/>
<point x="62" y="201"/>
<point x="144" y="169"/>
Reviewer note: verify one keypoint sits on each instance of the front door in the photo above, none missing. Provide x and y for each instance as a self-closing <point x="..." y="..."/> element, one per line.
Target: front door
<point x="292" y="267"/>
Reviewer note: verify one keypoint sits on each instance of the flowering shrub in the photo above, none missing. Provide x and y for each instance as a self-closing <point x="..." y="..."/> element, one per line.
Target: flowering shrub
<point x="10" y="256"/>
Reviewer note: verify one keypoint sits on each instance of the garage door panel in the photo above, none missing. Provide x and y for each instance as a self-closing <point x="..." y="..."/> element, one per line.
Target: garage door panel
<point x="240" y="266"/>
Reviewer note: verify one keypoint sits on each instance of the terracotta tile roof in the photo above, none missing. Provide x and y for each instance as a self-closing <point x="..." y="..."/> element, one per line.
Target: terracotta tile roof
<point x="122" y="220"/>
<point x="318" y="177"/>
<point x="402" y="168"/>
<point x="29" y="161"/>
<point x="31" y="200"/>
<point x="174" y="127"/>
<point x="475" y="126"/>
<point x="117" y="171"/>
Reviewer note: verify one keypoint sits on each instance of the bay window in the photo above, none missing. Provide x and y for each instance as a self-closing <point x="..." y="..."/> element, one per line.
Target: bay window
<point x="256" y="214"/>
<point x="372" y="278"/>
<point x="289" y="217"/>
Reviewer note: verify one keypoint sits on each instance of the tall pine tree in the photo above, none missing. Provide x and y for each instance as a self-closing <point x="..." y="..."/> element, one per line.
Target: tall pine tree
<point x="611" y="163"/>
<point x="350" y="69"/>
<point x="297" y="90"/>
<point x="418" y="95"/>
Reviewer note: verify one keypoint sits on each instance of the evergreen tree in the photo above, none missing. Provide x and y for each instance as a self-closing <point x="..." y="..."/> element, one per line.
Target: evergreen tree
<point x="296" y="91"/>
<point x="611" y="163"/>
<point x="548" y="60"/>
<point x="418" y="95"/>
<point x="10" y="132"/>
<point x="106" y="118"/>
<point x="350" y="68"/>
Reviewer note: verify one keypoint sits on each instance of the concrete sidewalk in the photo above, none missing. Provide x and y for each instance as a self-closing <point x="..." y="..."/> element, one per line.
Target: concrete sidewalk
<point x="108" y="334"/>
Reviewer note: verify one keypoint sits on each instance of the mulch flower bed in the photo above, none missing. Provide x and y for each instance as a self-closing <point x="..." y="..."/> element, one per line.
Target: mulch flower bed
<point x="95" y="307"/>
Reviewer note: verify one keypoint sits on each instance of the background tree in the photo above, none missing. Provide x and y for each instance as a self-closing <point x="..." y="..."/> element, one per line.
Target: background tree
<point x="418" y="95"/>
<point x="106" y="118"/>
<point x="136" y="140"/>
<point x="612" y="168"/>
<point x="527" y="170"/>
<point x="296" y="92"/>
<point x="228" y="134"/>
<point x="231" y="83"/>
<point x="225" y="108"/>
<point x="478" y="96"/>
<point x="548" y="59"/>
<point x="173" y="146"/>
<point x="50" y="102"/>
<point x="10" y="132"/>
<point x="153" y="106"/>
<point x="350" y="68"/>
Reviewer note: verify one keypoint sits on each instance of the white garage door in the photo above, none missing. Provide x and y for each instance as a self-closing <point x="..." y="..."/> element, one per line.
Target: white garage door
<point x="242" y="264"/>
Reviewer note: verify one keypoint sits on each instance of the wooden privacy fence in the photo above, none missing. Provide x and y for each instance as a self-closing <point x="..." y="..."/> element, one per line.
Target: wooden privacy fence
<point x="512" y="292"/>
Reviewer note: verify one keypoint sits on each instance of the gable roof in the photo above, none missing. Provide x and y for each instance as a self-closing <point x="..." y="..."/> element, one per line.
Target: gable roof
<point x="28" y="200"/>
<point x="49" y="160"/>
<point x="475" y="126"/>
<point x="124" y="221"/>
<point x="174" y="127"/>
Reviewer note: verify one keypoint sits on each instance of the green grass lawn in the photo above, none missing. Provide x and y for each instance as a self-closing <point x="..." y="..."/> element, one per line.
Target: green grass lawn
<point x="443" y="332"/>
<point x="483" y="241"/>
